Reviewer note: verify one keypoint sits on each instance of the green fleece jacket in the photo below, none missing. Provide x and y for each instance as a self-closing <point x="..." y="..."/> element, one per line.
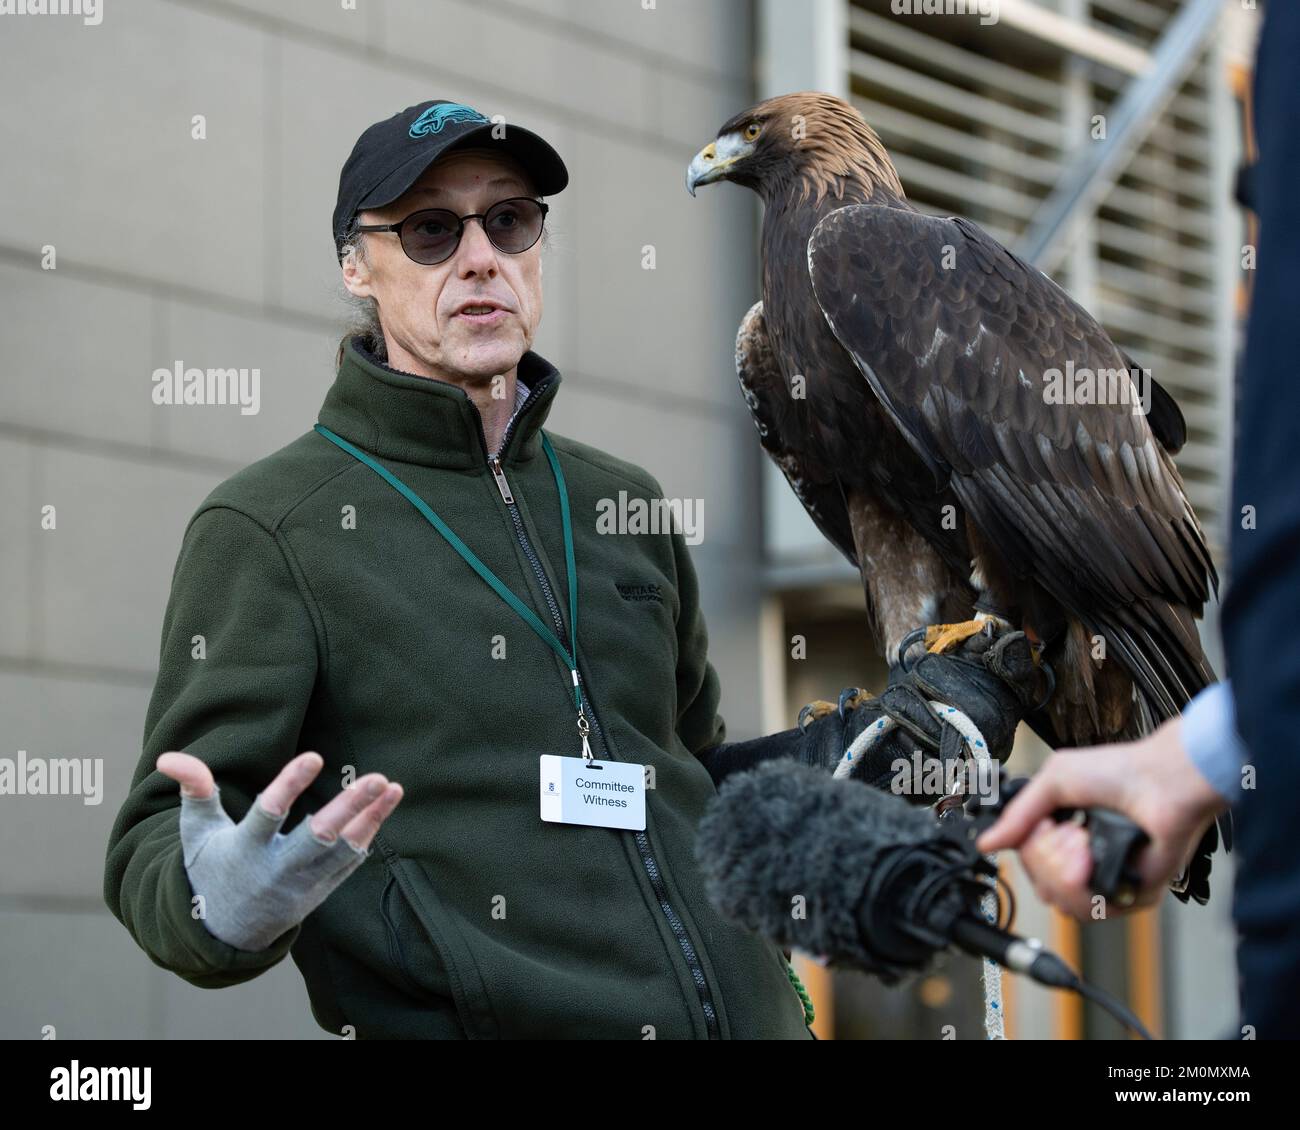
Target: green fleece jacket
<point x="333" y="617"/>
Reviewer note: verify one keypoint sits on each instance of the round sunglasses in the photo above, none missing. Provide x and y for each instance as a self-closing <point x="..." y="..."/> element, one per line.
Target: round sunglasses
<point x="432" y="235"/>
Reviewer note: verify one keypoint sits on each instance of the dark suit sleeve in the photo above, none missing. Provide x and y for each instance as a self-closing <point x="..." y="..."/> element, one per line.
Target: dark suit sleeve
<point x="1262" y="608"/>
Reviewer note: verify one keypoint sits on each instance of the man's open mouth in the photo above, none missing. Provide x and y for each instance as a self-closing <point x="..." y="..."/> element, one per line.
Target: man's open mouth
<point x="483" y="313"/>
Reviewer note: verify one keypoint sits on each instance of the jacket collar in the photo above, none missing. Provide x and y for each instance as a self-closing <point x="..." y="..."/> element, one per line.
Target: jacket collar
<point x="412" y="419"/>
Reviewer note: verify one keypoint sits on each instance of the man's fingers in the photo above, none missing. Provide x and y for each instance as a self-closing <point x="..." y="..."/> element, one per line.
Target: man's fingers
<point x="361" y="829"/>
<point x="278" y="797"/>
<point x="1068" y="779"/>
<point x="1074" y="858"/>
<point x="193" y="776"/>
<point x="1031" y="805"/>
<point x="356" y="813"/>
<point x="1058" y="863"/>
<point x="335" y="816"/>
<point x="1036" y="852"/>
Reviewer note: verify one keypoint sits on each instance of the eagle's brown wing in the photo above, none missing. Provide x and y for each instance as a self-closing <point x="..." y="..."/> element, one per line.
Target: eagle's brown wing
<point x="955" y="334"/>
<point x="768" y="396"/>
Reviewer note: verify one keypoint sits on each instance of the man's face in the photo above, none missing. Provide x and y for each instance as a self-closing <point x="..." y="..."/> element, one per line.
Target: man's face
<point x="419" y="306"/>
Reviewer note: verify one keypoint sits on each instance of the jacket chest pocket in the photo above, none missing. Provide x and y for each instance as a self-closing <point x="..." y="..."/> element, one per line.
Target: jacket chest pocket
<point x="637" y="657"/>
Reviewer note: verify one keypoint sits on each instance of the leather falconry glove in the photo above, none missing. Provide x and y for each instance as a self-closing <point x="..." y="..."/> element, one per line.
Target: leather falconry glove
<point x="992" y="679"/>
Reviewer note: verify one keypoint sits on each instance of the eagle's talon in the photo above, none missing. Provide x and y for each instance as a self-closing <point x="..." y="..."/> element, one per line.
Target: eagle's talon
<point x="1049" y="677"/>
<point x="818" y="708"/>
<point x="914" y="636"/>
<point x="850" y="699"/>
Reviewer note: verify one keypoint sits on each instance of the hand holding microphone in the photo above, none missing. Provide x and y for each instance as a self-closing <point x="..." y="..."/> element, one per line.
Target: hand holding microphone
<point x="1150" y="781"/>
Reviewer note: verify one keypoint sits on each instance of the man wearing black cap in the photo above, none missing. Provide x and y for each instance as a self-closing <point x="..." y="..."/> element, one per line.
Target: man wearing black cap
<point x="461" y="312"/>
<point x="417" y="589"/>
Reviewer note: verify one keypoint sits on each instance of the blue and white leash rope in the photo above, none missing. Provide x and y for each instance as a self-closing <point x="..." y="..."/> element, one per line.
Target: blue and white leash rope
<point x="994" y="1018"/>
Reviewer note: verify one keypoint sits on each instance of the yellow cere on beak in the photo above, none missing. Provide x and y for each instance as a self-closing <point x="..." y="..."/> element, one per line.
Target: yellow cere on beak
<point x="712" y="162"/>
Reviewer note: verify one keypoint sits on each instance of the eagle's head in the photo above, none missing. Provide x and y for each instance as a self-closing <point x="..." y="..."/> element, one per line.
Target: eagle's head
<point x="813" y="142"/>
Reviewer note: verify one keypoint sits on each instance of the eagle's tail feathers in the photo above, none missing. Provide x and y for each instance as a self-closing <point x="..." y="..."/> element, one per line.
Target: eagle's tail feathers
<point x="1159" y="643"/>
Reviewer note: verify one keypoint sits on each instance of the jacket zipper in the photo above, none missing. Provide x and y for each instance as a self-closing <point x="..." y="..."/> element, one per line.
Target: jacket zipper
<point x="648" y="860"/>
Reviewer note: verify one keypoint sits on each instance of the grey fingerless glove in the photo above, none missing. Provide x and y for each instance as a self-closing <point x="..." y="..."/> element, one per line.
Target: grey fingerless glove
<point x="255" y="883"/>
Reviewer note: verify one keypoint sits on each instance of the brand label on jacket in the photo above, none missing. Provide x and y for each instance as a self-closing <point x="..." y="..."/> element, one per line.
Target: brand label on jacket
<point x="603" y="794"/>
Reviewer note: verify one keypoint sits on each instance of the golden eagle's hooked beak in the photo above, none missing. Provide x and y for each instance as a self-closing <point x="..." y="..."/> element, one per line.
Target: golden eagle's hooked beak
<point x="712" y="162"/>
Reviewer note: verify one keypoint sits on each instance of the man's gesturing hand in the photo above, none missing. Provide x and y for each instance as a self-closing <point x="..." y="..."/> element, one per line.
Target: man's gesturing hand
<point x="255" y="883"/>
<point x="1150" y="781"/>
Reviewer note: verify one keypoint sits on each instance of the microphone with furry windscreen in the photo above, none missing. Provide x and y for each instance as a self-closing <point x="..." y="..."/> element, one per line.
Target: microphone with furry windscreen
<point x="861" y="877"/>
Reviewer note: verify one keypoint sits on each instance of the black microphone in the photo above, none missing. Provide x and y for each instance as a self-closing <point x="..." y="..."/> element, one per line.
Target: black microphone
<point x="860" y="876"/>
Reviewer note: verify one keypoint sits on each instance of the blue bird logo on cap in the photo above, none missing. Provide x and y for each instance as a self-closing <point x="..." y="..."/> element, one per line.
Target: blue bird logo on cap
<point x="435" y="117"/>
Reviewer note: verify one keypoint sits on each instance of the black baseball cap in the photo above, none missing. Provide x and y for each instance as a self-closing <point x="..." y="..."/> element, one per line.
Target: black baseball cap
<point x="391" y="155"/>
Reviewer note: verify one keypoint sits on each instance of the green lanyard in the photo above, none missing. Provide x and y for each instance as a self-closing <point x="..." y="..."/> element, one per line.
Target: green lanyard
<point x="526" y="613"/>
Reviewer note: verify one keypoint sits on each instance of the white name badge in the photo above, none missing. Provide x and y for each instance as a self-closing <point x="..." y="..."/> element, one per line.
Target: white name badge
<point x="603" y="794"/>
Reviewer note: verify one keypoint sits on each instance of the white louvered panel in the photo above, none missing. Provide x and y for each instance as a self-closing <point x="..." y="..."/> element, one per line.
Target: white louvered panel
<point x="936" y="56"/>
<point x="1161" y="225"/>
<point x="1138" y="21"/>
<point x="1166" y="295"/>
<point x="940" y="140"/>
<point x="968" y="189"/>
<point x="1156" y="250"/>
<point x="1127" y="319"/>
<point x="874" y="71"/>
<point x="1151" y="206"/>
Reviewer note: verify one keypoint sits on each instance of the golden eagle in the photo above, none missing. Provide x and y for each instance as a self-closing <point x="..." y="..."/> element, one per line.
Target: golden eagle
<point x="905" y="373"/>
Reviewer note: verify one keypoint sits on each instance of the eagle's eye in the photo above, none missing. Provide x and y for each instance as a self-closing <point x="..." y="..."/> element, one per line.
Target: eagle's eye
<point x="752" y="131"/>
